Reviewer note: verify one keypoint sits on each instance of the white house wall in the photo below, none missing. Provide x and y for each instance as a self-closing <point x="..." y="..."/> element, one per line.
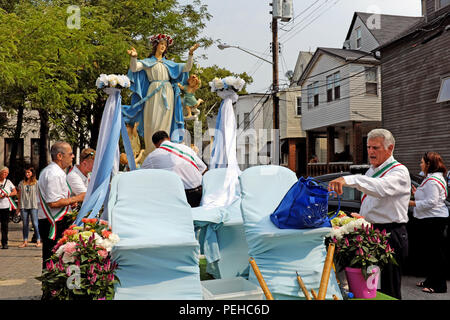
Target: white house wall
<point x="334" y="112"/>
<point x="290" y="122"/>
<point x="363" y="107"/>
<point x="368" y="41"/>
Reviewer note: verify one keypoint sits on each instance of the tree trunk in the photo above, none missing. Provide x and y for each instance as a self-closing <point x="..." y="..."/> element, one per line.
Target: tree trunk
<point x="43" y="139"/>
<point x="15" y="172"/>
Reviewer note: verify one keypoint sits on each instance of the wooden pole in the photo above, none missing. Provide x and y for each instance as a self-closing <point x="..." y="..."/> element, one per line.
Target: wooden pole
<point x="260" y="278"/>
<point x="326" y="272"/>
<point x="314" y="294"/>
<point x="302" y="285"/>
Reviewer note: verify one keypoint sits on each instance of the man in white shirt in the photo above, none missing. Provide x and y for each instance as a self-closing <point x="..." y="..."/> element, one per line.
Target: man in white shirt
<point x="54" y="198"/>
<point x="78" y="177"/>
<point x="387" y="191"/>
<point x="180" y="159"/>
<point x="7" y="204"/>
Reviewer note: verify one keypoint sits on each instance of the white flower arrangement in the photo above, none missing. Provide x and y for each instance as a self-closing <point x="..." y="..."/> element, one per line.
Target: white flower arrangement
<point x="112" y="80"/>
<point x="228" y="82"/>
<point x="344" y="224"/>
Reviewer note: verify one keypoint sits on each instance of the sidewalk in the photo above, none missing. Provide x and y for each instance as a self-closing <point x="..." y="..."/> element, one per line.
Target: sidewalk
<point x="20" y="266"/>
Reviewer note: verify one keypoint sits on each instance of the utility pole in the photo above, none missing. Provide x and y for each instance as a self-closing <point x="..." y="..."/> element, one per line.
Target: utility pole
<point x="275" y="85"/>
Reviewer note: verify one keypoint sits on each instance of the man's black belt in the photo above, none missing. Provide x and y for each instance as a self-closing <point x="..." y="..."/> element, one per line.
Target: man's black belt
<point x="199" y="188"/>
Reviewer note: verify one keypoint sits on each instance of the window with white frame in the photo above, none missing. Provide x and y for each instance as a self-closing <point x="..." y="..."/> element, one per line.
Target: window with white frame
<point x="310" y="95"/>
<point x="330" y="81"/>
<point x="444" y="91"/>
<point x="442" y="3"/>
<point x="246" y="120"/>
<point x="299" y="106"/>
<point x="316" y="93"/>
<point x="337" y="85"/>
<point x="371" y="80"/>
<point x="358" y="37"/>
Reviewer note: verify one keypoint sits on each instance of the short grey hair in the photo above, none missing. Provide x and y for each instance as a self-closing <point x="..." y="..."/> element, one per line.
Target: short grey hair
<point x="382" y="133"/>
<point x="58" y="147"/>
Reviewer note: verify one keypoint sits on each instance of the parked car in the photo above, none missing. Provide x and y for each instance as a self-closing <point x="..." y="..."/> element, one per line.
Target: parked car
<point x="351" y="202"/>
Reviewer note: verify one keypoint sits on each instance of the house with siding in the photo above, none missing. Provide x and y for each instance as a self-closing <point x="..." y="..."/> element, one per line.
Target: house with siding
<point x="415" y="74"/>
<point x="341" y="90"/>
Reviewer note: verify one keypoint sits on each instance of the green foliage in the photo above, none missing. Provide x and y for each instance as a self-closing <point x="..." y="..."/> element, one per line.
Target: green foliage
<point x="363" y="247"/>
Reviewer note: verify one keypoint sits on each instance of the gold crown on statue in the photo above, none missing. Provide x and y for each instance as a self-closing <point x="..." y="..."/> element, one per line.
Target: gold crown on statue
<point x="159" y="37"/>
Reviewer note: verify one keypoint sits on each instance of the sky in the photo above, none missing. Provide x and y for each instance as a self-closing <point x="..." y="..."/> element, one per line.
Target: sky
<point x="316" y="23"/>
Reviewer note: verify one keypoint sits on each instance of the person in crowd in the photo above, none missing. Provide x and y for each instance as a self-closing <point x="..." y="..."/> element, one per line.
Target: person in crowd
<point x="55" y="199"/>
<point x="387" y="190"/>
<point x="7" y="204"/>
<point x="432" y="215"/>
<point x="27" y="205"/>
<point x="180" y="159"/>
<point x="314" y="159"/>
<point x="78" y="177"/>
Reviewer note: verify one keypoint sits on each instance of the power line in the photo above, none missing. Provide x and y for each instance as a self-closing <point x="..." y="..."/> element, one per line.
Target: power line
<point x="319" y="15"/>
<point x="293" y="19"/>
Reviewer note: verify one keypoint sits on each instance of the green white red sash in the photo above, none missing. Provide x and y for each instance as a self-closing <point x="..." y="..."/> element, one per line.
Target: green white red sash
<point x="12" y="204"/>
<point x="439" y="181"/>
<point x="183" y="155"/>
<point x="52" y="219"/>
<point x="382" y="172"/>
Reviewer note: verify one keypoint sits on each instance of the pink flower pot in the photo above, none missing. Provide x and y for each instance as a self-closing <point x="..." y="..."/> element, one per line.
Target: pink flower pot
<point x="360" y="287"/>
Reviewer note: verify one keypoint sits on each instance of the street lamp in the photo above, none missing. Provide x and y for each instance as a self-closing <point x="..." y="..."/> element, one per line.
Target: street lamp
<point x="224" y="46"/>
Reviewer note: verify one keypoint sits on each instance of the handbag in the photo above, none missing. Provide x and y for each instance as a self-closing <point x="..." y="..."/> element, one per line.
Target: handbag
<point x="304" y="206"/>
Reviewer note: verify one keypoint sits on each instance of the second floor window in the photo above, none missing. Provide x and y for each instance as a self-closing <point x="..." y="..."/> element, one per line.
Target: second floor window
<point x="310" y="95"/>
<point x="442" y="3"/>
<point x="371" y="81"/>
<point x="337" y="85"/>
<point x="316" y="93"/>
<point x="358" y="37"/>
<point x="334" y="86"/>
<point x="299" y="106"/>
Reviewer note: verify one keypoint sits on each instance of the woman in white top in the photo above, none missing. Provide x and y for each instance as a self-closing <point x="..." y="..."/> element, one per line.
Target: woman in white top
<point x="28" y="196"/>
<point x="432" y="214"/>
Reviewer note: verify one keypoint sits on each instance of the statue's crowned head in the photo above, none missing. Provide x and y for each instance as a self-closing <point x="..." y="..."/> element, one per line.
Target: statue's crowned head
<point x="155" y="40"/>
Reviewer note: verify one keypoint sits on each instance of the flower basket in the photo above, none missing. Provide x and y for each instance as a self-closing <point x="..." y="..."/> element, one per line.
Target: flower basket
<point x="81" y="267"/>
<point x="360" y="246"/>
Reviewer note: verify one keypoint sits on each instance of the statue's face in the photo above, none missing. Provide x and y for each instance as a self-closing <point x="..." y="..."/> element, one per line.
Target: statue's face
<point x="161" y="47"/>
<point x="193" y="81"/>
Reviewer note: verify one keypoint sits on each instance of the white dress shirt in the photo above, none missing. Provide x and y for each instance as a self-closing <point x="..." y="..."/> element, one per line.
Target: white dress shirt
<point x="8" y="186"/>
<point x="53" y="187"/>
<point x="387" y="196"/>
<point x="77" y="181"/>
<point x="430" y="196"/>
<point x="177" y="158"/>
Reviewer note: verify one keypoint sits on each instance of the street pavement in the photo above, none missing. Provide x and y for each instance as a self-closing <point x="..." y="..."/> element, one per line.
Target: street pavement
<point x="20" y="266"/>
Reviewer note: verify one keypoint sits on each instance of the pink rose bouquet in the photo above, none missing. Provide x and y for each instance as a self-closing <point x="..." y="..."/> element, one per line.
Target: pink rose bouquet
<point x="81" y="265"/>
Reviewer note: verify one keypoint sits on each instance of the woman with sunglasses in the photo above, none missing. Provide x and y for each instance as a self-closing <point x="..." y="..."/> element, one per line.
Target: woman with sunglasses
<point x="27" y="195"/>
<point x="432" y="214"/>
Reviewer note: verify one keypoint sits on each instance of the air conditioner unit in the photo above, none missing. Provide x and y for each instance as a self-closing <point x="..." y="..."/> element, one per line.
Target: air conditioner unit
<point x="287" y="11"/>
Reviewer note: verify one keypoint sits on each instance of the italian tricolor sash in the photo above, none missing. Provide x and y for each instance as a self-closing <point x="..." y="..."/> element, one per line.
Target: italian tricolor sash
<point x="12" y="204"/>
<point x="439" y="181"/>
<point x="183" y="155"/>
<point x="382" y="172"/>
<point x="52" y="219"/>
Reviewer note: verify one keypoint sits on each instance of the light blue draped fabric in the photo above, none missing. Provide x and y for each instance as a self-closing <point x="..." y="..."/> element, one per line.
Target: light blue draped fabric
<point x="107" y="155"/>
<point x="221" y="236"/>
<point x="157" y="252"/>
<point x="279" y="253"/>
